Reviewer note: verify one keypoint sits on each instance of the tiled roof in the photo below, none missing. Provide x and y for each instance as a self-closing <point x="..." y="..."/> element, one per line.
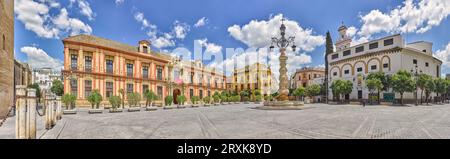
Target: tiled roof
<point x="90" y="39"/>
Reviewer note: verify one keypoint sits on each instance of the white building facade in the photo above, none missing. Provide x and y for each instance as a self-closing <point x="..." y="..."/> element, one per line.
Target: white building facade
<point x="45" y="77"/>
<point x="389" y="55"/>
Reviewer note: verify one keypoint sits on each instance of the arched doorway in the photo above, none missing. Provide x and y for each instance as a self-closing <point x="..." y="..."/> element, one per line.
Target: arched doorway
<point x="176" y="93"/>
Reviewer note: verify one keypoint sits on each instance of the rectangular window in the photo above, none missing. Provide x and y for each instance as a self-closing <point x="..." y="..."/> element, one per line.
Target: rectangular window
<point x="159" y="73"/>
<point x="130" y="88"/>
<point x="74" y="87"/>
<point x="191" y="93"/>
<point x="88" y="63"/>
<point x="201" y="94"/>
<point x="385" y="65"/>
<point x="129" y="70"/>
<point x="87" y="88"/>
<point x="426" y="64"/>
<point x="373" y="67"/>
<point x="359" y="49"/>
<point x="109" y="66"/>
<point x="359" y="69"/>
<point x="215" y="83"/>
<point x="109" y="89"/>
<point x="388" y="42"/>
<point x="347" y="72"/>
<point x="159" y="91"/>
<point x="346" y="53"/>
<point x="209" y="93"/>
<point x="373" y="45"/>
<point x="145" y="72"/>
<point x="415" y="61"/>
<point x="74" y="62"/>
<point x="145" y="88"/>
<point x="334" y="56"/>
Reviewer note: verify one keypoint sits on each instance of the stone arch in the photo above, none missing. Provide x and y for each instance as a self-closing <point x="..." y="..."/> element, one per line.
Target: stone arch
<point x="339" y="71"/>
<point x="379" y="62"/>
<point x="364" y="64"/>
<point x="351" y="67"/>
<point x="389" y="61"/>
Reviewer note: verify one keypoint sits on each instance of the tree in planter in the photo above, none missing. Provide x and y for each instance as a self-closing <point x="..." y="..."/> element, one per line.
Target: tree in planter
<point x="57" y="88"/>
<point x="299" y="93"/>
<point x="255" y="93"/>
<point x="150" y="97"/>
<point x="216" y="97"/>
<point x="223" y="98"/>
<point x="95" y="99"/>
<point x="68" y="100"/>
<point x="421" y="83"/>
<point x="133" y="99"/>
<point x="313" y="90"/>
<point x="181" y="99"/>
<point x="440" y="87"/>
<point x="122" y="94"/>
<point x="402" y="82"/>
<point x="207" y="99"/>
<point x="258" y="98"/>
<point x="194" y="99"/>
<point x="115" y="102"/>
<point x="428" y="87"/>
<point x="244" y="95"/>
<point x="373" y="85"/>
<point x="168" y="100"/>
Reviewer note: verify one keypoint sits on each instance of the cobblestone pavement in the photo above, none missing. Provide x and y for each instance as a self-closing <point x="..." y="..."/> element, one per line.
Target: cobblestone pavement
<point x="242" y="122"/>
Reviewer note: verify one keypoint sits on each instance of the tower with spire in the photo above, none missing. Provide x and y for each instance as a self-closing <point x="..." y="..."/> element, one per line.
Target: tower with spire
<point x="344" y="40"/>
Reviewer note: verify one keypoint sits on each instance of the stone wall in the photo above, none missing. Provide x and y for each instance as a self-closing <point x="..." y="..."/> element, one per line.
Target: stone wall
<point x="6" y="56"/>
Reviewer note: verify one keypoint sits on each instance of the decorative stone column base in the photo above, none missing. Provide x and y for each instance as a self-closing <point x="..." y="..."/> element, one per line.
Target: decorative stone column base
<point x="283" y="105"/>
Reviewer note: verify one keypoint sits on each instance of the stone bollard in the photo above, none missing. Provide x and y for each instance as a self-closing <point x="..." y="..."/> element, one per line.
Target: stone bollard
<point x="58" y="108"/>
<point x="49" y="111"/>
<point x="54" y="114"/>
<point x="31" y="113"/>
<point x="21" y="112"/>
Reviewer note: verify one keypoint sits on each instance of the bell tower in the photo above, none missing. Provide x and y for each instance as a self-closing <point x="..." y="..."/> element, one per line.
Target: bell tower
<point x="344" y="40"/>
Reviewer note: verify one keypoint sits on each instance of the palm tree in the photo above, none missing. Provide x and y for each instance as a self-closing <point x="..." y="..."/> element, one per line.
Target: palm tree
<point x="150" y="96"/>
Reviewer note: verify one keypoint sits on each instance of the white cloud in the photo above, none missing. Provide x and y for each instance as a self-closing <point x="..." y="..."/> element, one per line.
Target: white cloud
<point x="201" y="22"/>
<point x="36" y="18"/>
<point x="85" y="9"/>
<point x="162" y="39"/>
<point x="180" y="30"/>
<point x="33" y="15"/>
<point x="210" y="47"/>
<point x="262" y="56"/>
<point x="72" y="25"/>
<point x="443" y="55"/>
<point x="259" y="33"/>
<point x="351" y="31"/>
<point x="119" y="2"/>
<point x="411" y="17"/>
<point x="38" y="58"/>
<point x="162" y="42"/>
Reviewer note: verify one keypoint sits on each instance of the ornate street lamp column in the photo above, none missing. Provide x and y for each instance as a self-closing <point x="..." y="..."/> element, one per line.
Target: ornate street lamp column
<point x="282" y="43"/>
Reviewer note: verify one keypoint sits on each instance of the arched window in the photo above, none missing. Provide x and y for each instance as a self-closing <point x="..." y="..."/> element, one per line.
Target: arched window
<point x="4" y="48"/>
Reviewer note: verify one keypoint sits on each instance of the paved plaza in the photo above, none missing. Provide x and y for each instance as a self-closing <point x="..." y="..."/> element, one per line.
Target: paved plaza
<point x="240" y="121"/>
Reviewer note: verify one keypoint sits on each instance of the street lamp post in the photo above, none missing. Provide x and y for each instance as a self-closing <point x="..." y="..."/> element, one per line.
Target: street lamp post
<point x="283" y="43"/>
<point x="416" y="78"/>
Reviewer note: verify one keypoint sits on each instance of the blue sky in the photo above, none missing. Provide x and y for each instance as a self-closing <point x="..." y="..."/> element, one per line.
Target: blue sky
<point x="39" y="33"/>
